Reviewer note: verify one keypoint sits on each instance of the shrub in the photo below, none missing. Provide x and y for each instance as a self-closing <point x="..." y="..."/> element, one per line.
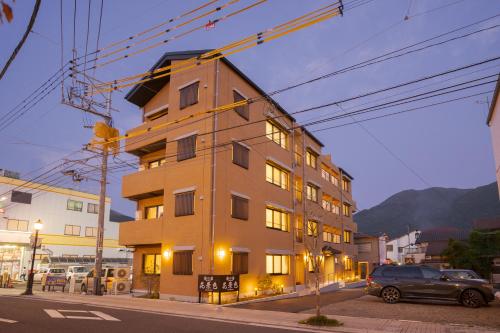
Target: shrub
<point x="321" y="321"/>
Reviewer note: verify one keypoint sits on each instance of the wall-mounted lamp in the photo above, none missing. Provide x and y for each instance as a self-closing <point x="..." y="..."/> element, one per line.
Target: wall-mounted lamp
<point x="221" y="253"/>
<point x="167" y="254"/>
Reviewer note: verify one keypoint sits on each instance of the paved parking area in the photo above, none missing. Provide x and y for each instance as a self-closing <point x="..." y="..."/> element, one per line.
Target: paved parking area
<point x="374" y="307"/>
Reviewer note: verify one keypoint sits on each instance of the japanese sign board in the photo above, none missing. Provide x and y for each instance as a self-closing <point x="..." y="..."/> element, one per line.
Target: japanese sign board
<point x="56" y="281"/>
<point x="218" y="283"/>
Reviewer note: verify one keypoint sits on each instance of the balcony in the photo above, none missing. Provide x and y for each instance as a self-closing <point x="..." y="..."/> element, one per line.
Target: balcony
<point x="148" y="142"/>
<point x="144" y="184"/>
<point x="140" y="232"/>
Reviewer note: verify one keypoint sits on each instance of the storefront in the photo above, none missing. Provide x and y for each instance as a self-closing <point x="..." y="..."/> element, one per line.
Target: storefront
<point x="14" y="252"/>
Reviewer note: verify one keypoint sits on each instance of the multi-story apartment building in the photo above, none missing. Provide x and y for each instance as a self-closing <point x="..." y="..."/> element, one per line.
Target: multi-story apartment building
<point x="493" y="121"/>
<point x="242" y="191"/>
<point x="69" y="220"/>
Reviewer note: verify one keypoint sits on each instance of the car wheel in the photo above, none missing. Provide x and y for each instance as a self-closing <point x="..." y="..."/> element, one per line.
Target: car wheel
<point x="83" y="288"/>
<point x="472" y="298"/>
<point x="391" y="295"/>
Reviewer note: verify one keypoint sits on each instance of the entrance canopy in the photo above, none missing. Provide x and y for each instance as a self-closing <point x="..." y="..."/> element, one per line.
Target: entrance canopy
<point x="330" y="251"/>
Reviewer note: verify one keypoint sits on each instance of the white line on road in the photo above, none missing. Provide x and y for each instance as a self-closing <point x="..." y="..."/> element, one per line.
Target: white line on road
<point x="98" y="315"/>
<point x="104" y="316"/>
<point x="54" y="313"/>
<point x="8" y="321"/>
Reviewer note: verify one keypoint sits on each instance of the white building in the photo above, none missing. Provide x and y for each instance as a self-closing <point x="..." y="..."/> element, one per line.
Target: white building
<point x="398" y="249"/>
<point x="69" y="220"/>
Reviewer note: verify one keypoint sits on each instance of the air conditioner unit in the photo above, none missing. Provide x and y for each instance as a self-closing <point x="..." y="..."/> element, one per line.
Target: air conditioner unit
<point x="122" y="273"/>
<point x="121" y="287"/>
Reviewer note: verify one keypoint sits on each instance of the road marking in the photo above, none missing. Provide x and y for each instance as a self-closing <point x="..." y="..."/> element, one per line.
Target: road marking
<point x="97" y="315"/>
<point x="8" y="321"/>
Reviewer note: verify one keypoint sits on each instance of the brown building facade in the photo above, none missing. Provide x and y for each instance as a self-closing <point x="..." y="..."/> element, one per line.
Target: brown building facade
<point x="242" y="191"/>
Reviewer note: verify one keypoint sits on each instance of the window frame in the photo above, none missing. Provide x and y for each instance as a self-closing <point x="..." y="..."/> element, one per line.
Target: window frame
<point x="244" y="110"/>
<point x="283" y="176"/>
<point x="247" y="152"/>
<point x="186" y="155"/>
<point x="277" y="134"/>
<point x="157" y="209"/>
<point x="17" y="225"/>
<point x="312" y="159"/>
<point x="95" y="209"/>
<point x="283" y="258"/>
<point x="284" y="223"/>
<point x="75" y="207"/>
<point x="160" y="162"/>
<point x="313" y="228"/>
<point x="185" y="89"/>
<point x="310" y="189"/>
<point x="346" y="209"/>
<point x="347" y="236"/>
<point x="72" y="228"/>
<point x="175" y="255"/>
<point x="243" y="199"/>
<point x="92" y="233"/>
<point x="243" y="255"/>
<point x="177" y="207"/>
<point x="156" y="268"/>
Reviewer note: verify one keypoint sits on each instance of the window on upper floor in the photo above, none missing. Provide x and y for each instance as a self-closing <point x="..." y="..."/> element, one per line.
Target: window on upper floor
<point x="277" y="176"/>
<point x="183" y="263"/>
<point x="189" y="95"/>
<point x="298" y="189"/>
<point x="312" y="228"/>
<point x="72" y="230"/>
<point x="243" y="110"/>
<point x="311" y="159"/>
<point x="346" y="185"/>
<point x="92" y="208"/>
<point x="17" y="225"/>
<point x="151" y="264"/>
<point x="335" y="208"/>
<point x="277" y="219"/>
<point x="326" y="204"/>
<point x="325" y="175"/>
<point x="239" y="207"/>
<point x="240" y="155"/>
<point x="239" y="263"/>
<point x="334" y="179"/>
<point x="277" y="134"/>
<point x="299" y="229"/>
<point x="21" y="197"/>
<point x="186" y="148"/>
<point x="90" y="232"/>
<point x="184" y="203"/>
<point x="346" y="209"/>
<point x="312" y="192"/>
<point x="348" y="264"/>
<point x="74" y="205"/>
<point x="153" y="212"/>
<point x="364" y="247"/>
<point x="157" y="113"/>
<point x="331" y="237"/>
<point x="347" y="236"/>
<point x="277" y="264"/>
<point x="156" y="163"/>
<point x="389" y="247"/>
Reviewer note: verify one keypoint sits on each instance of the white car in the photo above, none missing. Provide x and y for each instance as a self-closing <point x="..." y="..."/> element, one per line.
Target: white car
<point x="48" y="272"/>
<point x="76" y="272"/>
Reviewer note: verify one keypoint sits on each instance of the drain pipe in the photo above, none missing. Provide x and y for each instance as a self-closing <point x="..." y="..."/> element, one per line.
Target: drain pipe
<point x="213" y="171"/>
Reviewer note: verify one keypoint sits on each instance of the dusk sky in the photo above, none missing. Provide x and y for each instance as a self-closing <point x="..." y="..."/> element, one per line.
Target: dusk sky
<point x="446" y="146"/>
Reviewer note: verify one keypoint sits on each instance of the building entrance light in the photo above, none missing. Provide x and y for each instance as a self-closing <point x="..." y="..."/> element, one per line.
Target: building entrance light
<point x="167" y="254"/>
<point x="221" y="253"/>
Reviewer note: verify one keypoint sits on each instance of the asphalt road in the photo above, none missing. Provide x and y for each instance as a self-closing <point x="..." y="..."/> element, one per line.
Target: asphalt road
<point x="31" y="315"/>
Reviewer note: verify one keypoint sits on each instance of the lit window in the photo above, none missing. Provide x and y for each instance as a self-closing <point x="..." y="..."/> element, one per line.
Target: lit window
<point x="156" y="163"/>
<point x="311" y="159"/>
<point x="348" y="264"/>
<point x="277" y="219"/>
<point x="346" y="185"/>
<point x="72" y="230"/>
<point x="347" y="236"/>
<point x="312" y="228"/>
<point x="346" y="209"/>
<point x="74" y="205"/>
<point x="153" y="212"/>
<point x="277" y="264"/>
<point x="277" y="176"/>
<point x="151" y="264"/>
<point x="299" y="229"/>
<point x="312" y="192"/>
<point x="335" y="208"/>
<point x="335" y="180"/>
<point x="325" y="175"/>
<point x="336" y="238"/>
<point x="277" y="134"/>
<point x="326" y="204"/>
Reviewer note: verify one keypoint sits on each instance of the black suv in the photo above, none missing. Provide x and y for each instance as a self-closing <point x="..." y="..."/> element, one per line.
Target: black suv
<point x="393" y="283"/>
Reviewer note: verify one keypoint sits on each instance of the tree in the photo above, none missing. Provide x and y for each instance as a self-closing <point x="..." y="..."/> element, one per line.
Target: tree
<point x="458" y="254"/>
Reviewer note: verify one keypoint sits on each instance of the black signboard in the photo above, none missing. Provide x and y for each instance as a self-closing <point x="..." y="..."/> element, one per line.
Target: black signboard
<point x="218" y="284"/>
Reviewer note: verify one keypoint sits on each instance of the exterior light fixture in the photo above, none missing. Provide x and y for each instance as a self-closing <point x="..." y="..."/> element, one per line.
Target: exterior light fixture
<point x="167" y="254"/>
<point x="221" y="253"/>
<point x="38" y="225"/>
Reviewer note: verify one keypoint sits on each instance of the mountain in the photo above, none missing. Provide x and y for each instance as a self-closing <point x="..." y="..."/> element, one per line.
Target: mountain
<point x="429" y="208"/>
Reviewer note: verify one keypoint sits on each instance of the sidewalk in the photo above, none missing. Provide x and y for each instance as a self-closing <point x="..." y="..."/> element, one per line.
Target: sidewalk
<point x="251" y="317"/>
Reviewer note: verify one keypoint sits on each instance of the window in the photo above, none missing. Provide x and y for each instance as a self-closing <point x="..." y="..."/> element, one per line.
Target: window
<point x="189" y="95"/>
<point x="327" y="205"/>
<point x="21" y="197"/>
<point x="364" y="247"/>
<point x="151" y="264"/>
<point x="72" y="230"/>
<point x="153" y="212"/>
<point x="277" y="134"/>
<point x="348" y="264"/>
<point x="240" y="263"/>
<point x="336" y="238"/>
<point x="155" y="114"/>
<point x="184" y="204"/>
<point x="277" y="219"/>
<point x="334" y="179"/>
<point x="239" y="207"/>
<point x="312" y="192"/>
<point x="89" y="256"/>
<point x="400" y="249"/>
<point x="298" y="189"/>
<point x="90" y="232"/>
<point x="311" y="159"/>
<point x="92" y="208"/>
<point x="346" y="185"/>
<point x="74" y="205"/>
<point x="240" y="155"/>
<point x="74" y="256"/>
<point x="277" y="264"/>
<point x="183" y="263"/>
<point x="325" y="175"/>
<point x="312" y="228"/>
<point x="186" y="148"/>
<point x="389" y="248"/>
<point x="17" y="225"/>
<point x="347" y="236"/>
<point x="277" y="176"/>
<point x="335" y="208"/>
<point x="431" y="273"/>
<point x="156" y="163"/>
<point x="241" y="110"/>
<point x="346" y="209"/>
<point x="327" y="236"/>
<point x="299" y="229"/>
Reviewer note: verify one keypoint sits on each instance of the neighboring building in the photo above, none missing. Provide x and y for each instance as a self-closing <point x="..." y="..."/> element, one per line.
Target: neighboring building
<point x="493" y="121"/>
<point x="69" y="220"/>
<point x="432" y="243"/>
<point x="371" y="252"/>
<point x="245" y="200"/>
<point x="397" y="249"/>
<point x="490" y="226"/>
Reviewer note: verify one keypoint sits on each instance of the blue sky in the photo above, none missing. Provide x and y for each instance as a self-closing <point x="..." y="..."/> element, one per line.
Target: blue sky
<point x="448" y="146"/>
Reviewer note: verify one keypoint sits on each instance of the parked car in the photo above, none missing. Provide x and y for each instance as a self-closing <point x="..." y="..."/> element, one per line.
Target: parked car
<point x="107" y="278"/>
<point x="76" y="272"/>
<point x="44" y="272"/>
<point x="37" y="277"/>
<point x="393" y="283"/>
<point x="466" y="274"/>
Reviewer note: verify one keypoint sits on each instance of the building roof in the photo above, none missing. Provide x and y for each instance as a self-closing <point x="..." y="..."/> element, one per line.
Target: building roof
<point x="487" y="224"/>
<point x="142" y="93"/>
<point x="363" y="235"/>
<point x="442" y="234"/>
<point x="115" y="216"/>
<point x="494" y="101"/>
<point x="345" y="173"/>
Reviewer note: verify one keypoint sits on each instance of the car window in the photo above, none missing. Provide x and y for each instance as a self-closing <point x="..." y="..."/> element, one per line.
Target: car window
<point x="462" y="274"/>
<point x="376" y="272"/>
<point x="430" y="273"/>
<point x="80" y="269"/>
<point x="57" y="270"/>
<point x="390" y="272"/>
<point x="410" y="272"/>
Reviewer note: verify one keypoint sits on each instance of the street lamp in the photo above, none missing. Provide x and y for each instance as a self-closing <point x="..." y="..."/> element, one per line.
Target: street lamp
<point x="29" y="286"/>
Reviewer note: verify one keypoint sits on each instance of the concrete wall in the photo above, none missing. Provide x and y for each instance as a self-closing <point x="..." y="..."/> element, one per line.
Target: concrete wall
<point x="495" y="137"/>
